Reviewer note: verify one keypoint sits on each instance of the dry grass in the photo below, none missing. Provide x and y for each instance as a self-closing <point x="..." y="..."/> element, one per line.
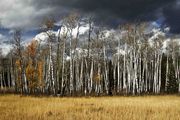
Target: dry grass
<point x="14" y="107"/>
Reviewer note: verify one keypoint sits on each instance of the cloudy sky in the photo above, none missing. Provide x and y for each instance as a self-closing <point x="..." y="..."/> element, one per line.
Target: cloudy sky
<point x="29" y="14"/>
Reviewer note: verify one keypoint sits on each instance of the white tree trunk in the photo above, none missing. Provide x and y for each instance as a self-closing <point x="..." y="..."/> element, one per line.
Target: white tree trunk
<point x="81" y="74"/>
<point x="71" y="65"/>
<point x="124" y="71"/>
<point x="91" y="76"/>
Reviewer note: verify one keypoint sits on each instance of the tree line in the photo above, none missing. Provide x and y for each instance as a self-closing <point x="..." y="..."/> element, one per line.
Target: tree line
<point x="127" y="61"/>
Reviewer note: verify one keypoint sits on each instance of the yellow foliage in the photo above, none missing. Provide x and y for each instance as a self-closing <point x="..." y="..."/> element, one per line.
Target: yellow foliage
<point x="40" y="72"/>
<point x="31" y="49"/>
<point x="31" y="74"/>
<point x="97" y="77"/>
<point x="18" y="64"/>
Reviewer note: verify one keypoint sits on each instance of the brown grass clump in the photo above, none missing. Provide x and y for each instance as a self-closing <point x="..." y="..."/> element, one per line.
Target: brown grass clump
<point x="15" y="107"/>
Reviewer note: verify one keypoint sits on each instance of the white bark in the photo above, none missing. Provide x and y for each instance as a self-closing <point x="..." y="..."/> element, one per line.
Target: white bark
<point x="91" y="77"/>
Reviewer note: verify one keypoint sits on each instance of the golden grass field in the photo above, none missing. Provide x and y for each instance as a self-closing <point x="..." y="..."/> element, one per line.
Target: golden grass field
<point x="15" y="107"/>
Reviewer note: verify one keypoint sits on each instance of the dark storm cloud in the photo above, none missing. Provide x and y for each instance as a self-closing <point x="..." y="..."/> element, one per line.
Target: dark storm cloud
<point x="112" y="12"/>
<point x="126" y="9"/>
<point x="172" y="15"/>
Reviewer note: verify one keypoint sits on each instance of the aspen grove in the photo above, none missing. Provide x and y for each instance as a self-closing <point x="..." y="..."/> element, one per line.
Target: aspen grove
<point x="127" y="61"/>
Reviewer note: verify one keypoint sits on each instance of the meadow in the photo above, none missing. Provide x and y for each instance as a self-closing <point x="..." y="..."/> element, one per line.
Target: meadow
<point x="16" y="107"/>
